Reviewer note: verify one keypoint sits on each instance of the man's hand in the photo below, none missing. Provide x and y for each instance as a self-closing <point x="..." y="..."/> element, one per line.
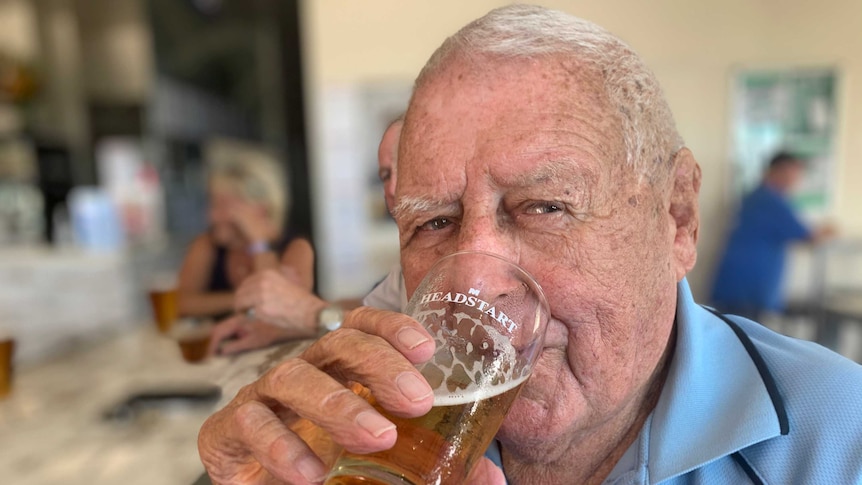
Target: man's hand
<point x="486" y="473"/>
<point x="240" y="333"/>
<point x="250" y="441"/>
<point x="277" y="299"/>
<point x="824" y="233"/>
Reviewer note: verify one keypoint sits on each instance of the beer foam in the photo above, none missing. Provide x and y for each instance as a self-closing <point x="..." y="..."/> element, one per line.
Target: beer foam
<point x="472" y="362"/>
<point x="443" y="398"/>
<point x="162" y="281"/>
<point x="189" y="329"/>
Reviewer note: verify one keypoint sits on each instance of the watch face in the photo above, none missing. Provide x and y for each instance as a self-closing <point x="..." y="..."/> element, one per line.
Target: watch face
<point x="331" y="317"/>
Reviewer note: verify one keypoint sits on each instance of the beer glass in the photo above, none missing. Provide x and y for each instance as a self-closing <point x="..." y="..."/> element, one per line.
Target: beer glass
<point x="488" y="317"/>
<point x="193" y="338"/>
<point x="163" y="297"/>
<point x="7" y="354"/>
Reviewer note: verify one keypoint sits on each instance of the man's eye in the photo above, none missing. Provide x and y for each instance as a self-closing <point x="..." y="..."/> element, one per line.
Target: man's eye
<point x="544" y="208"/>
<point x="435" y="224"/>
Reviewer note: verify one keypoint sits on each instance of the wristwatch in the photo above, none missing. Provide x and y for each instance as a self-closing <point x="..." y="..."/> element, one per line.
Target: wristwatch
<point x="258" y="247"/>
<point x="329" y="319"/>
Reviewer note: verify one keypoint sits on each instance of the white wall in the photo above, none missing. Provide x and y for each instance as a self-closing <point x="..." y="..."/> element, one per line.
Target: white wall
<point x="692" y="46"/>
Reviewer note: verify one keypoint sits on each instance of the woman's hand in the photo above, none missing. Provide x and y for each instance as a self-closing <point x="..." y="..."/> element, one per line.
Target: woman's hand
<point x="252" y="221"/>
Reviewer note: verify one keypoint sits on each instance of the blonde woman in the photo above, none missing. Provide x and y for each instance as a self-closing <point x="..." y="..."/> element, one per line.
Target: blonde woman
<point x="247" y="207"/>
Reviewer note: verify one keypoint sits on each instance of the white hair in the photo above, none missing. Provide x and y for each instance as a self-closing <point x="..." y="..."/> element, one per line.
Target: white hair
<point x="252" y="174"/>
<point x="631" y="89"/>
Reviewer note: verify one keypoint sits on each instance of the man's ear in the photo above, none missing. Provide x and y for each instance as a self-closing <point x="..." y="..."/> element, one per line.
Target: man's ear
<point x="684" y="210"/>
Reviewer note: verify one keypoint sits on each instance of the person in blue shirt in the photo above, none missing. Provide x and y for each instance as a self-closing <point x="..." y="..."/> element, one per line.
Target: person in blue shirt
<point x="544" y="139"/>
<point x="749" y="277"/>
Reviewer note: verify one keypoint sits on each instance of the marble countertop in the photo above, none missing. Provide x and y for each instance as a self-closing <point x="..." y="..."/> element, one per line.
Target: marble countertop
<point x="52" y="426"/>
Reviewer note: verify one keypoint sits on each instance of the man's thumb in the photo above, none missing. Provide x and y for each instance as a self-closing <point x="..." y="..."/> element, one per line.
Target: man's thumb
<point x="486" y="473"/>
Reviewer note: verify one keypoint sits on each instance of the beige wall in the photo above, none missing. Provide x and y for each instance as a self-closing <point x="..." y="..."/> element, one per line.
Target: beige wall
<point x="116" y="50"/>
<point x="114" y="41"/>
<point x="17" y="24"/>
<point x="692" y="46"/>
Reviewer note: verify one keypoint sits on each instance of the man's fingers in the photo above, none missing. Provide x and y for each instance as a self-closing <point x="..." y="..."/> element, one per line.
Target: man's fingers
<point x="399" y="330"/>
<point x="378" y="342"/>
<point x="251" y="290"/>
<point x="246" y="295"/>
<point x="266" y="289"/>
<point x="241" y="344"/>
<point x="224" y="330"/>
<point x="242" y="301"/>
<point x="395" y="383"/>
<point x="486" y="473"/>
<point x="279" y="450"/>
<point x="377" y="349"/>
<point x="317" y="439"/>
<point x="349" y="419"/>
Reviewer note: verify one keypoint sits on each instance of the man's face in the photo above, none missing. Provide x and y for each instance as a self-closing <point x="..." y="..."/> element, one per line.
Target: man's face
<point x="222" y="227"/>
<point x="792" y="175"/>
<point x="523" y="159"/>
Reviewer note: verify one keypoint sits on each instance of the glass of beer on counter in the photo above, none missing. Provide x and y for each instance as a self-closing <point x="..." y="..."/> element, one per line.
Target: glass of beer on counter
<point x="193" y="337"/>
<point x="488" y="318"/>
<point x="7" y="358"/>
<point x="164" y="299"/>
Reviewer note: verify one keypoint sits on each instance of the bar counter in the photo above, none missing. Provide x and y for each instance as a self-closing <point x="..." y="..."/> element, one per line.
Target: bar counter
<point x="62" y="422"/>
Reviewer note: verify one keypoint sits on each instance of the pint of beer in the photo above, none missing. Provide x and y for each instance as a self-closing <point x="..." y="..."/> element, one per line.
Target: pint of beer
<point x="488" y="319"/>
<point x="7" y="355"/>
<point x="193" y="338"/>
<point x="163" y="297"/>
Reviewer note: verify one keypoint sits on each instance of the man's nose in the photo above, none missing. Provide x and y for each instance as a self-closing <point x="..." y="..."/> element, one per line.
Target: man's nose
<point x="484" y="233"/>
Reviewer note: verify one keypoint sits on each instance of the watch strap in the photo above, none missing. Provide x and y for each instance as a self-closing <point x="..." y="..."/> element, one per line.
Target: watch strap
<point x="258" y="247"/>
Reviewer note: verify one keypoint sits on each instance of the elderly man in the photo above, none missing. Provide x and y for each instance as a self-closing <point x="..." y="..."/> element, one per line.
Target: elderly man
<point x="542" y="138"/>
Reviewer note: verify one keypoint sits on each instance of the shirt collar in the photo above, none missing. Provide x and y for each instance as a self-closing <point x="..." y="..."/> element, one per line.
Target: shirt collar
<point x="715" y="400"/>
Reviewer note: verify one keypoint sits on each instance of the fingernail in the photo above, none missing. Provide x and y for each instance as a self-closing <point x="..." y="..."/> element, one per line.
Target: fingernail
<point x="413" y="386"/>
<point x="411" y="338"/>
<point x="311" y="468"/>
<point x="373" y="423"/>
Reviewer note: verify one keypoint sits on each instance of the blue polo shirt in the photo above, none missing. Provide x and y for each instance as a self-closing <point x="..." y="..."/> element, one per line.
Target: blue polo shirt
<point x="751" y="270"/>
<point x="745" y="405"/>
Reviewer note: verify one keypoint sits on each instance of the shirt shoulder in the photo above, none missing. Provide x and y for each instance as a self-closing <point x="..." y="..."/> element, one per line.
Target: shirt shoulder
<point x="821" y="392"/>
<point x="389" y="293"/>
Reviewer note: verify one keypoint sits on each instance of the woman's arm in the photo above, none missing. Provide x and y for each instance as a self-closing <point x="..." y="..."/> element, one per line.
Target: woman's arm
<point x="299" y="256"/>
<point x="194" y="299"/>
<point x="263" y="257"/>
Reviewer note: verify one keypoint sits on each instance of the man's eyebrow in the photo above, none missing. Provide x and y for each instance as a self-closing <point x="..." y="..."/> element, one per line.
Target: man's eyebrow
<point x="559" y="169"/>
<point x="410" y="205"/>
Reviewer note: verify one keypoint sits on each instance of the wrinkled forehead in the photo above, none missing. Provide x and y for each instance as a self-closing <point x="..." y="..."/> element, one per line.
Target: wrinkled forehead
<point x="507" y="116"/>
